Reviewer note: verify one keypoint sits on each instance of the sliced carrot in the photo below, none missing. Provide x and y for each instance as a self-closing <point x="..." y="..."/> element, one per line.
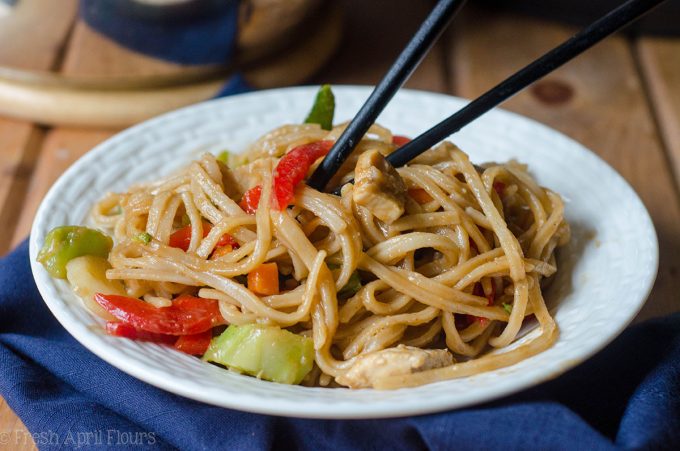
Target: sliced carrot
<point x="264" y="279"/>
<point x="220" y="251"/>
<point x="419" y="195"/>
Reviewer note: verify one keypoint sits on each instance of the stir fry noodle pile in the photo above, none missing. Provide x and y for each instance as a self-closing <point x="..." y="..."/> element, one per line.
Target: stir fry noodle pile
<point x="410" y="276"/>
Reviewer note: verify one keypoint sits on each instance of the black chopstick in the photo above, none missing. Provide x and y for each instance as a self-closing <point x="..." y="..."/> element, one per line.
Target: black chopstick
<point x="406" y="63"/>
<point x="581" y="41"/>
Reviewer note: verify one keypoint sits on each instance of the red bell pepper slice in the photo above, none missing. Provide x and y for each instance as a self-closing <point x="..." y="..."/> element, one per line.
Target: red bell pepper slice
<point x="195" y="344"/>
<point x="293" y="167"/>
<point x="399" y="140"/>
<point x="118" y="329"/>
<point x="251" y="199"/>
<point x="290" y="170"/>
<point x="182" y="238"/>
<point x="187" y="315"/>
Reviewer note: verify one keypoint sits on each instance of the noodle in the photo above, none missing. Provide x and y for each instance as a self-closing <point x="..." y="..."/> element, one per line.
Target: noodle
<point x="460" y="269"/>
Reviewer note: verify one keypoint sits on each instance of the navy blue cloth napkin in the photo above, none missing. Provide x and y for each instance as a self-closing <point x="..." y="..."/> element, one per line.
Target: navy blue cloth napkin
<point x="628" y="397"/>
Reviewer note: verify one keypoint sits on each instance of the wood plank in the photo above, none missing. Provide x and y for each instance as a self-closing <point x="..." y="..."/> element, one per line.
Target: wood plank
<point x="20" y="145"/>
<point x="373" y="37"/>
<point x="660" y="64"/>
<point x="14" y="435"/>
<point x="37" y="31"/>
<point x="596" y="99"/>
<point x="62" y="147"/>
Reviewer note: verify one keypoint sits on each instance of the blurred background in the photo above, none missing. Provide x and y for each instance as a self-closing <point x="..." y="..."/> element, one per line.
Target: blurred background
<point x="73" y="72"/>
<point x="103" y="63"/>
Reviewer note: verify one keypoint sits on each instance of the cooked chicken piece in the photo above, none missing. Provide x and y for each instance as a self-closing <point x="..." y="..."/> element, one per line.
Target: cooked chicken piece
<point x="350" y="163"/>
<point x="393" y="362"/>
<point x="378" y="187"/>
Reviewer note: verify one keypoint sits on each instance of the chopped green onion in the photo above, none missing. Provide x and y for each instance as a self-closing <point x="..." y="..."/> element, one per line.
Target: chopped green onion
<point x="143" y="238"/>
<point x="323" y="109"/>
<point x="231" y="160"/>
<point x="507" y="307"/>
<point x="352" y="286"/>
<point x="223" y="157"/>
<point x="186" y="220"/>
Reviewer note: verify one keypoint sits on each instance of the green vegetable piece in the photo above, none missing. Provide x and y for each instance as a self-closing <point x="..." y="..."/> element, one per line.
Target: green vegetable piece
<point x="144" y="237"/>
<point x="323" y="108"/>
<point x="266" y="352"/>
<point x="232" y="160"/>
<point x="351" y="287"/>
<point x="223" y="157"/>
<point x="507" y="307"/>
<point x="65" y="243"/>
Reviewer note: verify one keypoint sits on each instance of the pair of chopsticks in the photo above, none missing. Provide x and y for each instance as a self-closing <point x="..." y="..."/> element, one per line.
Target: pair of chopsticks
<point x="417" y="48"/>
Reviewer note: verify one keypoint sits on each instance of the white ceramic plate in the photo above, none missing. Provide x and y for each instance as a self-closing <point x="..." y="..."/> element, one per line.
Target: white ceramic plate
<point x="604" y="278"/>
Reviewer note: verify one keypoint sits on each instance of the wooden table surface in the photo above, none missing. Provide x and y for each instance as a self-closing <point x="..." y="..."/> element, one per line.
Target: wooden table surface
<point x="621" y="99"/>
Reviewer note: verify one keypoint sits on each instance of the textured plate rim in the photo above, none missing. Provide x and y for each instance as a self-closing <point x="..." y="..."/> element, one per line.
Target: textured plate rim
<point x="252" y="403"/>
